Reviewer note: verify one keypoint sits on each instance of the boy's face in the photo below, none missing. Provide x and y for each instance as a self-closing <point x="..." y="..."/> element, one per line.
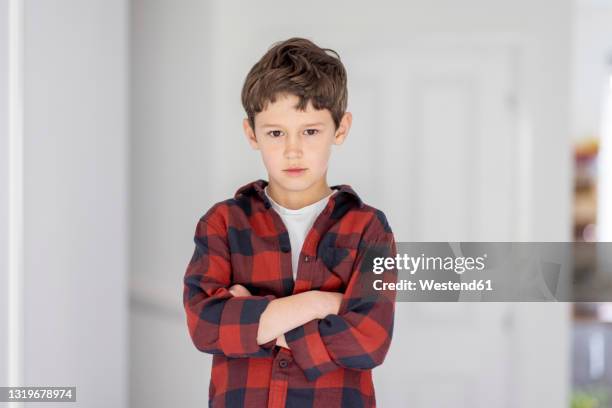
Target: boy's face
<point x="289" y="138"/>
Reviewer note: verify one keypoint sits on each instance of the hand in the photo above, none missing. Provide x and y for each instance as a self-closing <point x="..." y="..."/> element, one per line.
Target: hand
<point x="327" y="302"/>
<point x="239" y="290"/>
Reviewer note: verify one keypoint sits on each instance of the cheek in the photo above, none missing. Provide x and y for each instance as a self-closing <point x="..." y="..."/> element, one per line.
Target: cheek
<point x="318" y="161"/>
<point x="270" y="156"/>
<point x="321" y="154"/>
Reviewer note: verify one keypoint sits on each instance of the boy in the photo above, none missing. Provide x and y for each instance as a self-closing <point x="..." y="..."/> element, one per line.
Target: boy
<point x="278" y="289"/>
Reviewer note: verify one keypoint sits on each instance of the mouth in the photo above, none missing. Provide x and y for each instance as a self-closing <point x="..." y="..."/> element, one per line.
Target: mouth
<point x="295" y="171"/>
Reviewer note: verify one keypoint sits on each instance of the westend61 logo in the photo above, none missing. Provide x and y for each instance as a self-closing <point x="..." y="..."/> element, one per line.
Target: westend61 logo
<point x="429" y="263"/>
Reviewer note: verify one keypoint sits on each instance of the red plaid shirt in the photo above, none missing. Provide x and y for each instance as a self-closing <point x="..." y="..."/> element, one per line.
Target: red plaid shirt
<point x="329" y="364"/>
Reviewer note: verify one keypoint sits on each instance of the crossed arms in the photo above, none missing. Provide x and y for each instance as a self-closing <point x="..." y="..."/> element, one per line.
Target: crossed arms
<point x="324" y="330"/>
<point x="284" y="314"/>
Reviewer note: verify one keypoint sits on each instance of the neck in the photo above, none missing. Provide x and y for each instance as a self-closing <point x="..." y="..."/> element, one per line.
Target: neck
<point x="295" y="200"/>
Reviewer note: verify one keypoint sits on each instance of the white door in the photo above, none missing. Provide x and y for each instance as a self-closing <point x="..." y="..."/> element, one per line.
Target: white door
<point x="439" y="152"/>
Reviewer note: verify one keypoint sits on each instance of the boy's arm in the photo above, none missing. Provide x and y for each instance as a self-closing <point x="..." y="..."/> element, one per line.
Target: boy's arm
<point x="284" y="314"/>
<point x="359" y="336"/>
<point x="218" y="322"/>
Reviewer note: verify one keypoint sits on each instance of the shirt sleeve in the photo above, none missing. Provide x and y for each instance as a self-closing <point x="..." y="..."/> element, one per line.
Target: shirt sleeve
<point x="218" y="322"/>
<point x="359" y="336"/>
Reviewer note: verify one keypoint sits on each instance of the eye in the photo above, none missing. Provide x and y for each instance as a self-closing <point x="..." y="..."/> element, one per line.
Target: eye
<point x="312" y="134"/>
<point x="274" y="133"/>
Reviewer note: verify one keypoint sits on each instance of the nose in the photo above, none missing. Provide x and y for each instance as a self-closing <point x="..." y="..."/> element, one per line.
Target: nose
<point x="293" y="147"/>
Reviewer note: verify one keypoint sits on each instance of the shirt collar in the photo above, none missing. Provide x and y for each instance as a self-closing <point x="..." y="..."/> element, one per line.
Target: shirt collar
<point x="258" y="186"/>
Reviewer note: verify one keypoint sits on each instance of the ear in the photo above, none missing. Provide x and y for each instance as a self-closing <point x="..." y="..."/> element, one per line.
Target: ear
<point x="250" y="134"/>
<point x="343" y="128"/>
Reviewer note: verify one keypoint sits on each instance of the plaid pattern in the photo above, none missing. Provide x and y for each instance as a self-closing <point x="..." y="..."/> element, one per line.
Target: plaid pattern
<point x="329" y="363"/>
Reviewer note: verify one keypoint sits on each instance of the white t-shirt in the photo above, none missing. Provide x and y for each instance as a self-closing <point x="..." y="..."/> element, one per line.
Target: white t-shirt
<point x="298" y="223"/>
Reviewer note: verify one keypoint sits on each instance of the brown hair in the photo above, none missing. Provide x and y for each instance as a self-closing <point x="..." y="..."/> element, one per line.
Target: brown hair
<point x="297" y="66"/>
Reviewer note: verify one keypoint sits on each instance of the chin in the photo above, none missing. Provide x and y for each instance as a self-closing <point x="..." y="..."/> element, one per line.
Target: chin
<point x="294" y="184"/>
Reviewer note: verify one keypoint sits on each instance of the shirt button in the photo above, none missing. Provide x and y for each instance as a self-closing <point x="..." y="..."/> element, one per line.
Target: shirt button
<point x="306" y="258"/>
<point x="283" y="363"/>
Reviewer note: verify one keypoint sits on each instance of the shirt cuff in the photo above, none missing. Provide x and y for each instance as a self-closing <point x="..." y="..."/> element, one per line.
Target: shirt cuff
<point x="239" y="325"/>
<point x="309" y="351"/>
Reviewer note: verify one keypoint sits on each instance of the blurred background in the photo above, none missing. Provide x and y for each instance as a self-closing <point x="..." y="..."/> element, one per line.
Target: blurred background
<point x="479" y="120"/>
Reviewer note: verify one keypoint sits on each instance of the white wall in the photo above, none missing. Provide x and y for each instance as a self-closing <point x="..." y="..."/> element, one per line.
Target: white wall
<point x="171" y="108"/>
<point x="4" y="195"/>
<point x="591" y="52"/>
<point x="75" y="198"/>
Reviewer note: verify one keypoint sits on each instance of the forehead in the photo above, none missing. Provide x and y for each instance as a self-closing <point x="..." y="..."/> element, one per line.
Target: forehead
<point x="283" y="111"/>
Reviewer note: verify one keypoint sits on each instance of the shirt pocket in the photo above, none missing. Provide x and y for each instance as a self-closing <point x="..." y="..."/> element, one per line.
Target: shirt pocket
<point x="337" y="264"/>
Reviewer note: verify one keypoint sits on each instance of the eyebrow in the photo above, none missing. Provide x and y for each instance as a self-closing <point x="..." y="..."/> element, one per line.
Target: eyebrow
<point x="266" y="125"/>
